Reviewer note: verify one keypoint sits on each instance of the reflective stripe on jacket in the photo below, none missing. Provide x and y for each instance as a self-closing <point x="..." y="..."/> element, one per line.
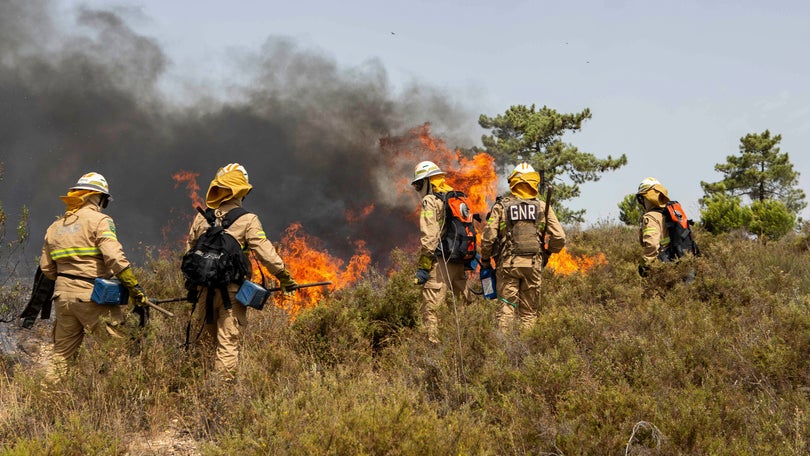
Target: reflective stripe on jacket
<point x="83" y="244"/>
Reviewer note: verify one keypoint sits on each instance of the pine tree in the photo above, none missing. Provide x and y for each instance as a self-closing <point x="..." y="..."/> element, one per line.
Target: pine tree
<point x="630" y="212"/>
<point x="760" y="172"/>
<point x="535" y="136"/>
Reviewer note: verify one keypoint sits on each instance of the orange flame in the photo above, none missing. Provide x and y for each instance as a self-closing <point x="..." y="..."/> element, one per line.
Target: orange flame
<point x="354" y="217"/>
<point x="307" y="261"/>
<point x="190" y="179"/>
<point x="564" y="263"/>
<point x="475" y="176"/>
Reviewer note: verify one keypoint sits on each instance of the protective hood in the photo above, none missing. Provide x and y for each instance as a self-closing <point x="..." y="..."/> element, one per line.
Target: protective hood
<point x="657" y="196"/>
<point x="227" y="186"/>
<point x="75" y="199"/>
<point x="524" y="185"/>
<point x="439" y="185"/>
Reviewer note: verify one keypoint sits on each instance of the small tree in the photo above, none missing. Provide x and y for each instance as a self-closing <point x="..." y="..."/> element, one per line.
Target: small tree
<point x="630" y="212"/>
<point x="535" y="136"/>
<point x="10" y="257"/>
<point x="722" y="213"/>
<point x="761" y="172"/>
<point x="771" y="220"/>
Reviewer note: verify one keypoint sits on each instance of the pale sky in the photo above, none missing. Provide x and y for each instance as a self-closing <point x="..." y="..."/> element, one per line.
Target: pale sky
<point x="673" y="85"/>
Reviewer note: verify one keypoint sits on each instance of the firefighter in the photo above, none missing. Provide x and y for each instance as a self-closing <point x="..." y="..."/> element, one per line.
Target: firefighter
<point x="653" y="197"/>
<point x="225" y="193"/>
<point x="434" y="272"/>
<point x="79" y="247"/>
<point x="512" y="236"/>
<point x="665" y="233"/>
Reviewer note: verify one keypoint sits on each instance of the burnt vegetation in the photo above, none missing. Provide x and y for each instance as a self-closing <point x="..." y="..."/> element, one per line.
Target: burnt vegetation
<point x="615" y="365"/>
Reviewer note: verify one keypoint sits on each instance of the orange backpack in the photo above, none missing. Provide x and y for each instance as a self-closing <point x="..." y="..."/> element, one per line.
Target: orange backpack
<point x="680" y="235"/>
<point x="458" y="243"/>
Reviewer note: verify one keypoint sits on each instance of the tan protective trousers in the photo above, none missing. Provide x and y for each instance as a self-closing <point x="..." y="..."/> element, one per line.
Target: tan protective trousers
<point x="434" y="292"/>
<point x="74" y="319"/>
<point x="224" y="332"/>
<point x="519" y="294"/>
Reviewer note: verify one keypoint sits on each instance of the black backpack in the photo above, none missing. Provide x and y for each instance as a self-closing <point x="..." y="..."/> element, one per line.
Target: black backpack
<point x="680" y="235"/>
<point x="216" y="258"/>
<point x="458" y="244"/>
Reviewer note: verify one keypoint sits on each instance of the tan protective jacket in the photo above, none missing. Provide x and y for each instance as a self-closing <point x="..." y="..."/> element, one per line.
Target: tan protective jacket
<point x="247" y="230"/>
<point x="84" y="244"/>
<point x="652" y="235"/>
<point x="496" y="230"/>
<point x="431" y="224"/>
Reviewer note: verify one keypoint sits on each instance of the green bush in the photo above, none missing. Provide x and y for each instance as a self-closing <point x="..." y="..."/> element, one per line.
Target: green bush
<point x="722" y="213"/>
<point x="771" y="219"/>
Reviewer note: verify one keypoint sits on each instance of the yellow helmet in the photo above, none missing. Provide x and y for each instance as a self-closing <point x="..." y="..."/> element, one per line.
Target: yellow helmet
<point x="425" y="169"/>
<point x="233" y="167"/>
<point x="647" y="184"/>
<point x="92" y="181"/>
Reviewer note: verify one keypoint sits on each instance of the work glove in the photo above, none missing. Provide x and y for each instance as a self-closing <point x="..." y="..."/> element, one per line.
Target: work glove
<point x="136" y="292"/>
<point x="425" y="262"/>
<point x="422" y="276"/>
<point x="287" y="283"/>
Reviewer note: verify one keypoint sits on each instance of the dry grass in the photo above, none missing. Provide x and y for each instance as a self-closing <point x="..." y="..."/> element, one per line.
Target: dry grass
<point x="614" y="365"/>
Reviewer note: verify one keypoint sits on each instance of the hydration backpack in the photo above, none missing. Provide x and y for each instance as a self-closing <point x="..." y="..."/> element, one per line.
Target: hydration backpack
<point x="216" y="258"/>
<point x="680" y="235"/>
<point x="458" y="243"/>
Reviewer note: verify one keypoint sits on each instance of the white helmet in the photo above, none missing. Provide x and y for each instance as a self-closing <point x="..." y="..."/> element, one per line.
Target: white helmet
<point x="647" y="184"/>
<point x="425" y="169"/>
<point x="92" y="181"/>
<point x="522" y="168"/>
<point x="233" y="167"/>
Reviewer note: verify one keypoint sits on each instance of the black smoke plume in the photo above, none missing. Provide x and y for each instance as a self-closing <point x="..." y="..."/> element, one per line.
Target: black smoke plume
<point x="89" y="98"/>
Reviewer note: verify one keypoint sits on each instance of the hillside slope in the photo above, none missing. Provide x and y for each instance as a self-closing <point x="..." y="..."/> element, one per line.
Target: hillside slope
<point x="616" y="364"/>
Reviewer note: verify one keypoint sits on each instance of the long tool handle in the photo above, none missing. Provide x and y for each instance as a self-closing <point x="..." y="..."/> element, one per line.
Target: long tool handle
<point x="304" y="285"/>
<point x="161" y="301"/>
<point x="159" y="309"/>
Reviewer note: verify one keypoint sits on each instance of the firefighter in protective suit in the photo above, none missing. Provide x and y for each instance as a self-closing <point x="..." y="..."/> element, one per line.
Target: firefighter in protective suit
<point x="225" y="193"/>
<point x="653" y="197"/>
<point x="512" y="237"/>
<point x="654" y="234"/>
<point x="79" y="247"/>
<point x="434" y="273"/>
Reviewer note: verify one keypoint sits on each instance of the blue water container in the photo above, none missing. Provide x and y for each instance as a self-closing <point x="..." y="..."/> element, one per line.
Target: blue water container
<point x="252" y="295"/>
<point x="109" y="292"/>
<point x="488" y="283"/>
